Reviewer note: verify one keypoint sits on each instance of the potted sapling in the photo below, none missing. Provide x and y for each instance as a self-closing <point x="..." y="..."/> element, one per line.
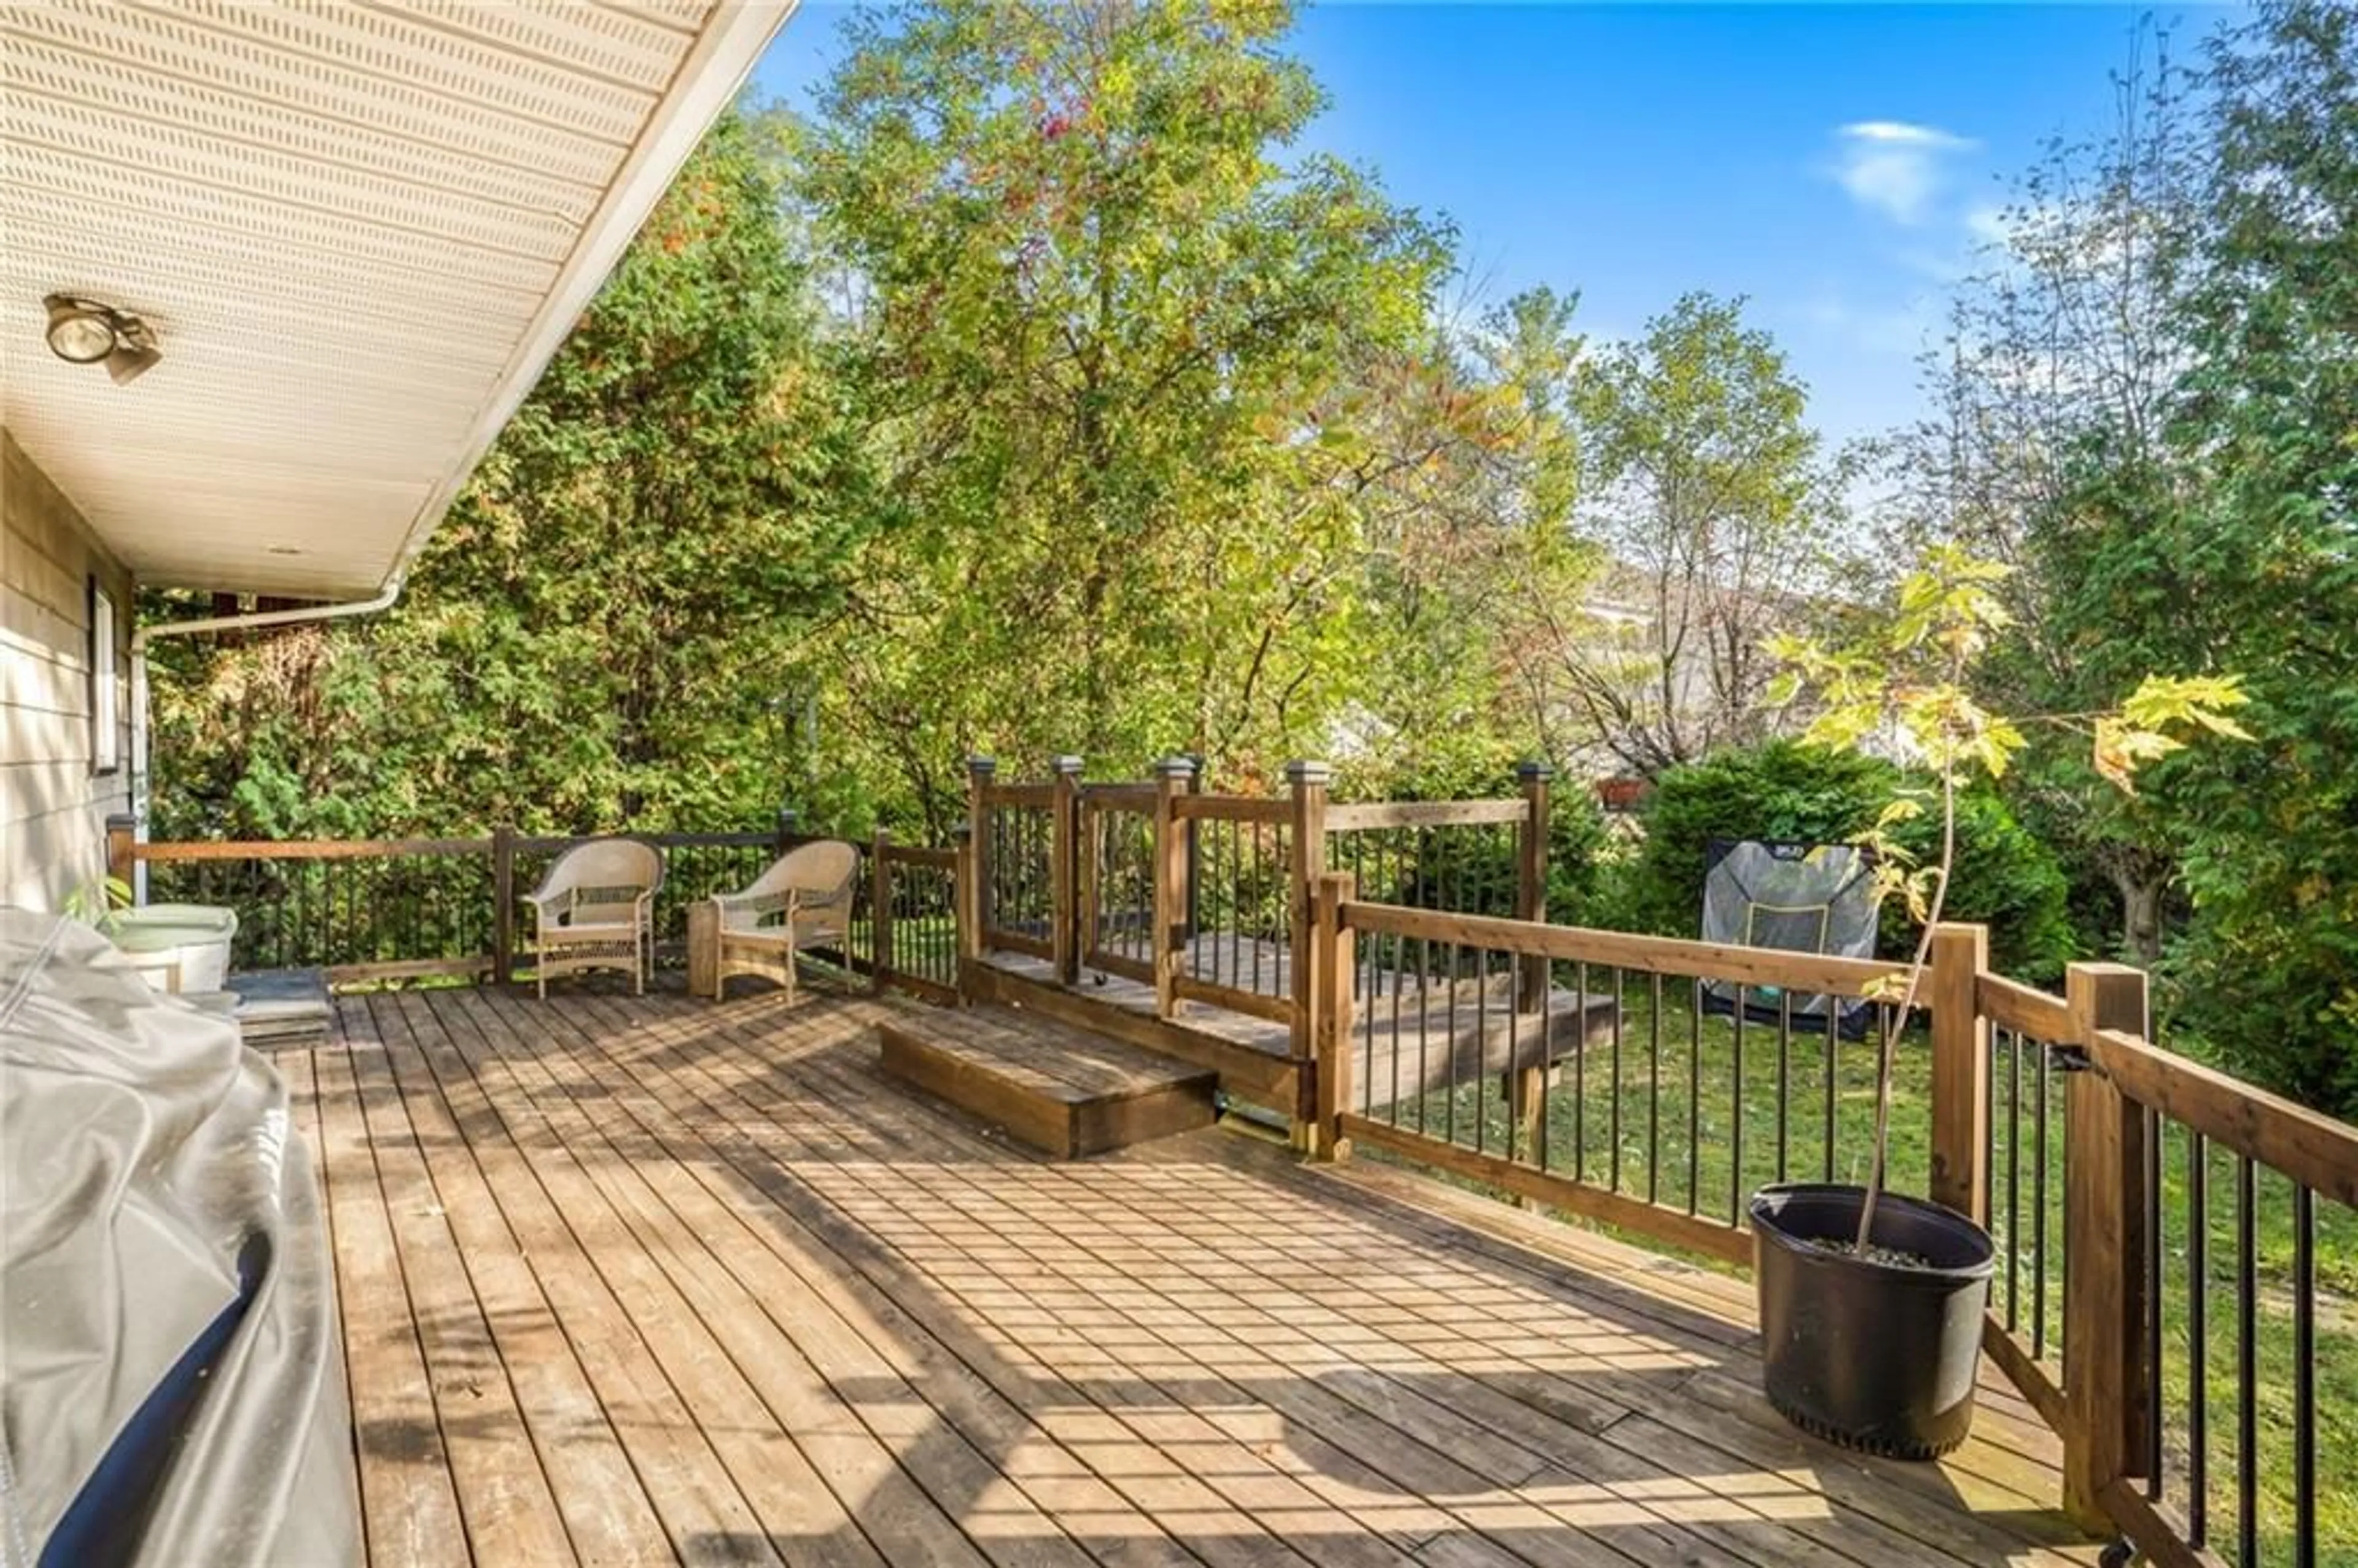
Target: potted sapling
<point x="1871" y="1301"/>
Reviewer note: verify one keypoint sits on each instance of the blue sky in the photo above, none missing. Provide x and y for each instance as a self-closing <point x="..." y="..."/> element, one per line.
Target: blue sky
<point x="1831" y="162"/>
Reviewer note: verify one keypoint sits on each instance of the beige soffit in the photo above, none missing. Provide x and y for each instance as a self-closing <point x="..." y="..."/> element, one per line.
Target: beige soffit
<point x="360" y="231"/>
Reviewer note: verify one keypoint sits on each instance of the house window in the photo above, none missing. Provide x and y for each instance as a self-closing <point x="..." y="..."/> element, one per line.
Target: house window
<point x="105" y="734"/>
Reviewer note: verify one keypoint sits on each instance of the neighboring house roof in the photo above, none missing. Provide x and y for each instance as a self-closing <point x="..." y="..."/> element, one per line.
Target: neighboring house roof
<point x="360" y="233"/>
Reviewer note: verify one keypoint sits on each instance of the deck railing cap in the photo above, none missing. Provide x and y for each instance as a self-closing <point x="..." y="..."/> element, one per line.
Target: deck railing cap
<point x="1306" y="773"/>
<point x="981" y="767"/>
<point x="1067" y="763"/>
<point x="1176" y="768"/>
<point x="1533" y="768"/>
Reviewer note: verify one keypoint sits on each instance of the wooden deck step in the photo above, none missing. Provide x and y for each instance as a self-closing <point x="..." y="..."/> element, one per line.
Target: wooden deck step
<point x="1061" y="1089"/>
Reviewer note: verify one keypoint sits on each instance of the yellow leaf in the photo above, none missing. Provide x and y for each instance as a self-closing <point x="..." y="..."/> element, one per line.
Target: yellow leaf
<point x="1904" y="809"/>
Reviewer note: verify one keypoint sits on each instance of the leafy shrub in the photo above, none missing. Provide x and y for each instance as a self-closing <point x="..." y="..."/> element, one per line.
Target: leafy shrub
<point x="1578" y="854"/>
<point x="1783" y="790"/>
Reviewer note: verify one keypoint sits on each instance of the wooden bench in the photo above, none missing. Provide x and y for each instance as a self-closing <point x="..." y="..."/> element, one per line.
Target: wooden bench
<point x="1058" y="1088"/>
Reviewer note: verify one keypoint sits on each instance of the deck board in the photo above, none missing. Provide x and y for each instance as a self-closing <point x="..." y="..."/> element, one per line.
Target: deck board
<point x="645" y="1279"/>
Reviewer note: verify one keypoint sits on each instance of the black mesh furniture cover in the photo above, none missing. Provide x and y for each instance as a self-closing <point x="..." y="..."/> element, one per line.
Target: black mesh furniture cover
<point x="171" y="1373"/>
<point x="1803" y="898"/>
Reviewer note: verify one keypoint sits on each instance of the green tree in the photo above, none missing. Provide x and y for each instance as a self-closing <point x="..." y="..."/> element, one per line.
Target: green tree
<point x="2268" y="554"/>
<point x="1133" y="370"/>
<point x="2052" y="393"/>
<point x="1461" y="544"/>
<point x="1703" y="489"/>
<point x="596" y="634"/>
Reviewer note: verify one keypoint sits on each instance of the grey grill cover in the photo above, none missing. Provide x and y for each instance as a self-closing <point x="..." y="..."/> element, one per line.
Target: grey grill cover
<point x="171" y="1377"/>
<point x="1803" y="898"/>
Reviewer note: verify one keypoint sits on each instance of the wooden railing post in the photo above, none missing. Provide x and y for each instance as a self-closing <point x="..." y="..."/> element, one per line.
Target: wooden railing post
<point x="503" y="904"/>
<point x="979" y="770"/>
<point x="2107" y="1386"/>
<point x="1065" y="869"/>
<point x="1170" y="934"/>
<point x="880" y="911"/>
<point x="1333" y="961"/>
<point x="1531" y="874"/>
<point x="789" y="826"/>
<point x="963" y="923"/>
<point x="1194" y="838"/>
<point x="1961" y="1068"/>
<point x="1309" y="783"/>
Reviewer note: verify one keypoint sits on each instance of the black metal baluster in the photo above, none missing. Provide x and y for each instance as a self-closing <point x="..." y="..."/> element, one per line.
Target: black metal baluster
<point x="1580" y="1079"/>
<point x="2304" y="1377"/>
<point x="2247" y="1365"/>
<point x="2198" y="1340"/>
<point x="1736" y="1124"/>
<point x="1547" y="1064"/>
<point x="1694" y="1095"/>
<point x="1989" y="1124"/>
<point x="2013" y="1184"/>
<point x="1449" y="1042"/>
<point x="1449" y="1107"/>
<point x="1833" y="1086"/>
<point x="1399" y="956"/>
<point x="1260" y="884"/>
<point x="1613" y="1119"/>
<point x="1239" y="889"/>
<point x="1481" y="1041"/>
<point x="2155" y="1130"/>
<point x="1654" y="1096"/>
<point x="1784" y="1075"/>
<point x="2038" y="1211"/>
<point x="1356" y="850"/>
<point x="1423" y="1030"/>
<point x="1512" y="1084"/>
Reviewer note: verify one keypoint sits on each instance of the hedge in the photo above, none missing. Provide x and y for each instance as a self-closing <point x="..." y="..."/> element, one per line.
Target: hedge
<point x="2004" y="876"/>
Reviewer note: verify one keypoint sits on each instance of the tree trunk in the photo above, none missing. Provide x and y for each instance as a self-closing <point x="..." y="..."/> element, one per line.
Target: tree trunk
<point x="2140" y="888"/>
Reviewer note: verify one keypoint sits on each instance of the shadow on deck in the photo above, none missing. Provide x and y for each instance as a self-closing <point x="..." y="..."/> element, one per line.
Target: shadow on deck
<point x="634" y="1280"/>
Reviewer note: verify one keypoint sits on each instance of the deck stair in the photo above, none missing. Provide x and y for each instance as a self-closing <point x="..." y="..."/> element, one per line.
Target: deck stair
<point x="1061" y="1089"/>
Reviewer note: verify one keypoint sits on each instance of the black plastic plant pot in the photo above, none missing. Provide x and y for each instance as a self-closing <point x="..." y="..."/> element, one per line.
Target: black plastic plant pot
<point x="1877" y="1356"/>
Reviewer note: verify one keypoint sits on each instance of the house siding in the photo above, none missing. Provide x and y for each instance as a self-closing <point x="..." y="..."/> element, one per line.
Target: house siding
<point x="53" y="807"/>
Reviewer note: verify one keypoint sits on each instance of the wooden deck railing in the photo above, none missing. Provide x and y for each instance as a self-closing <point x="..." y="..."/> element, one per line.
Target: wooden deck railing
<point x="1620" y="1094"/>
<point x="373" y="911"/>
<point x="1204" y="896"/>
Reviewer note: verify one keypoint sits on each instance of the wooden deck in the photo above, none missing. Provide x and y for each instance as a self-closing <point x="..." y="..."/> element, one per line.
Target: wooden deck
<point x="642" y="1281"/>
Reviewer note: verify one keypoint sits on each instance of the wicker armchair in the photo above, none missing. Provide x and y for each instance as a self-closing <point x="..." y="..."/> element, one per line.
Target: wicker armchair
<point x="595" y="911"/>
<point x="802" y="901"/>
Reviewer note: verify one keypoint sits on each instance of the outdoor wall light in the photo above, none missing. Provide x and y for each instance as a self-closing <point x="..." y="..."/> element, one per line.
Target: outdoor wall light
<point x="85" y="332"/>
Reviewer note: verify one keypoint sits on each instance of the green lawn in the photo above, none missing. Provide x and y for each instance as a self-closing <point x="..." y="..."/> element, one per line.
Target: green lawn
<point x="1684" y="1110"/>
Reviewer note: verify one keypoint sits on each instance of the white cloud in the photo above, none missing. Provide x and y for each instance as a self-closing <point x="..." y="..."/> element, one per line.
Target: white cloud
<point x="1894" y="167"/>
